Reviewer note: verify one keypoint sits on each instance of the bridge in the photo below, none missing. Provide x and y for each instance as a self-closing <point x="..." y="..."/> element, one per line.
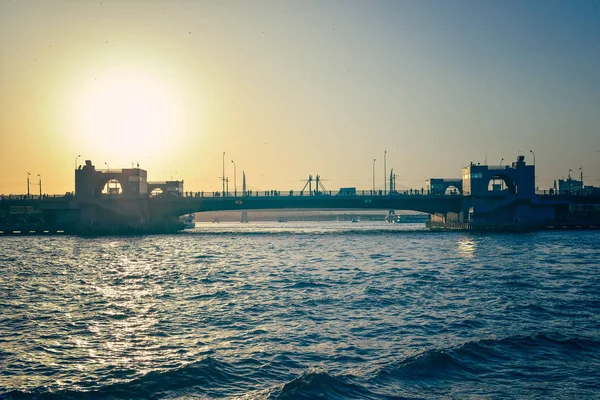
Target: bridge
<point x="430" y="204"/>
<point x="122" y="201"/>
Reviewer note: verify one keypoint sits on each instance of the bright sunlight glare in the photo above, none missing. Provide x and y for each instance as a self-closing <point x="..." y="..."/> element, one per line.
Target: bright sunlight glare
<point x="127" y="113"/>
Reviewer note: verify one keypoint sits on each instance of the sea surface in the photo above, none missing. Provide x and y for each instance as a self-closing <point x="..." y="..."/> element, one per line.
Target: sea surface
<point x="301" y="311"/>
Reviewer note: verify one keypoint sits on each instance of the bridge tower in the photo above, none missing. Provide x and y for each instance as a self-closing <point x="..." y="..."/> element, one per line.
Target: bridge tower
<point x="487" y="203"/>
<point x="89" y="182"/>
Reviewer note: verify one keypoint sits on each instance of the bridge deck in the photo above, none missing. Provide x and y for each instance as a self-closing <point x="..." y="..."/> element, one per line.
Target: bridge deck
<point x="423" y="203"/>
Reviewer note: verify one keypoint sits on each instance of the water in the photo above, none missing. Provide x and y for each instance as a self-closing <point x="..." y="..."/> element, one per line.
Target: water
<point x="301" y="311"/>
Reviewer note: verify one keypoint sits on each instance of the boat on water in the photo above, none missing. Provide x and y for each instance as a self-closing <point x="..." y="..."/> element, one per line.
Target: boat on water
<point x="413" y="219"/>
<point x="355" y="219"/>
<point x="282" y="219"/>
<point x="188" y="221"/>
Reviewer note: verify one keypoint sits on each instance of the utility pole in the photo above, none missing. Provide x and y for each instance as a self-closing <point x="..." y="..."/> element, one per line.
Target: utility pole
<point x="76" y="158"/>
<point x="532" y="152"/>
<point x="581" y="177"/>
<point x="223" y="174"/>
<point x="244" y="183"/>
<point x="373" y="193"/>
<point x="40" y="176"/>
<point x="28" y="184"/>
<point x="234" y="180"/>
<point x="384" y="172"/>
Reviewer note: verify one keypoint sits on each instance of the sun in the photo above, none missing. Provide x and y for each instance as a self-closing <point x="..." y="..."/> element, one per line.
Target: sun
<point x="127" y="114"/>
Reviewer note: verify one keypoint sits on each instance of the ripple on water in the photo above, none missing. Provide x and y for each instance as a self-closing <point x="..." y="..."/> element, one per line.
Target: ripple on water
<point x="302" y="311"/>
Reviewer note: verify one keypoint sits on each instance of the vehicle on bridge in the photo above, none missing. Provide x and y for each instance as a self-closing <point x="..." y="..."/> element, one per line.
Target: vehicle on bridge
<point x="350" y="191"/>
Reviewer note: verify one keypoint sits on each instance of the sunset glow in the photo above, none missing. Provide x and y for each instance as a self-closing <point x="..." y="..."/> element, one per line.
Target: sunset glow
<point x="125" y="112"/>
<point x="289" y="89"/>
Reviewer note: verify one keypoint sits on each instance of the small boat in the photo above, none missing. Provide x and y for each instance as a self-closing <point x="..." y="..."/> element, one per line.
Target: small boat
<point x="188" y="221"/>
<point x="355" y="219"/>
<point x="281" y="219"/>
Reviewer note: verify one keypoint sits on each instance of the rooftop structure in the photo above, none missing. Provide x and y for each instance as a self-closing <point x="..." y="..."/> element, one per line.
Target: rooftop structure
<point x="517" y="179"/>
<point x="128" y="183"/>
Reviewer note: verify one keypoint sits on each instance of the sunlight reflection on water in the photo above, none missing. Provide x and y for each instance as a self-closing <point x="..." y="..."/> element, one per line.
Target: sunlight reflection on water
<point x="236" y="310"/>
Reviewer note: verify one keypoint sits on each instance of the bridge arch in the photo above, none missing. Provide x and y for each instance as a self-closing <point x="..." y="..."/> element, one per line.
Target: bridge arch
<point x="440" y="186"/>
<point x="429" y="204"/>
<point x="501" y="182"/>
<point x="105" y="179"/>
<point x="452" y="190"/>
<point x="156" y="192"/>
<point x="112" y="187"/>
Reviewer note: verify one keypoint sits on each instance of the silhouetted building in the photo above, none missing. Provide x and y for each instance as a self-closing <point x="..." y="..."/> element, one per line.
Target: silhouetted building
<point x="441" y="185"/>
<point x="90" y="182"/>
<point x="569" y="185"/>
<point x="518" y="179"/>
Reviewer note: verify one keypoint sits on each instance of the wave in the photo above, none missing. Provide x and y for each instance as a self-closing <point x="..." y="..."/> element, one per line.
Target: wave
<point x="472" y="360"/>
<point x="307" y="285"/>
<point x="317" y="383"/>
<point x="207" y="377"/>
<point x="535" y="358"/>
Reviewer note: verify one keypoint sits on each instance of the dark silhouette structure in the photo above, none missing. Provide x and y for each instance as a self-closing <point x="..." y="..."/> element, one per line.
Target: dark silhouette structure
<point x="123" y="201"/>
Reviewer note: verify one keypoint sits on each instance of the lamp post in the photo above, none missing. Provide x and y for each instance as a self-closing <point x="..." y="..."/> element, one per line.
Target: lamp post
<point x="501" y="181"/>
<point x="384" y="171"/>
<point x="373" y="192"/>
<point x="108" y="183"/>
<point x="569" y="178"/>
<point x="531" y="151"/>
<point x="76" y="158"/>
<point x="40" y="177"/>
<point x="234" y="180"/>
<point x="223" y="174"/>
<point x="28" y="184"/>
<point x="581" y="177"/>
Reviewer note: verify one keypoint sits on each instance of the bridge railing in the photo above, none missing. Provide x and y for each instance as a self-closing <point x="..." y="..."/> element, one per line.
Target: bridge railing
<point x="250" y="193"/>
<point x="5" y="197"/>
<point x="295" y="193"/>
<point x="582" y="192"/>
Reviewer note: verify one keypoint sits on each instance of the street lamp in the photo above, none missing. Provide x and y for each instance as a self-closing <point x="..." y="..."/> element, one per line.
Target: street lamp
<point x="373" y="176"/>
<point x="234" y="180"/>
<point x="76" y="158"/>
<point x="107" y="168"/>
<point x="501" y="162"/>
<point x="223" y="174"/>
<point x="384" y="171"/>
<point x="531" y="151"/>
<point x="40" y="177"/>
<point x="28" y="184"/>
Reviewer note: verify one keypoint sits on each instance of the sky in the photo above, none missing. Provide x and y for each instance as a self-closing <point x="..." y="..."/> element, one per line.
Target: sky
<point x="292" y="88"/>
